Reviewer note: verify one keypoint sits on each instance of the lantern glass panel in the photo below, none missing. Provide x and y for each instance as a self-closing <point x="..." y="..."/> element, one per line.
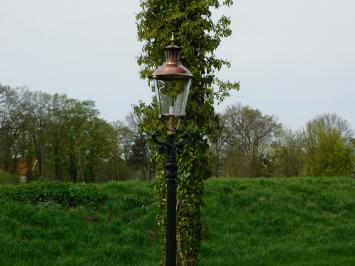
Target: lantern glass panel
<point x="172" y="96"/>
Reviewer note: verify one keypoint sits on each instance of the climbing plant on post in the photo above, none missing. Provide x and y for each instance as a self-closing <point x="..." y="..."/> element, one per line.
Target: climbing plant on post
<point x="199" y="36"/>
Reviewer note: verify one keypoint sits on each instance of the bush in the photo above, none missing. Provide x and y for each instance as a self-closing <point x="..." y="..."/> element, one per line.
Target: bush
<point x="65" y="194"/>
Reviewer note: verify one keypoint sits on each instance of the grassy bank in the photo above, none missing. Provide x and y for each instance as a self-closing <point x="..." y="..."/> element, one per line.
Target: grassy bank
<point x="294" y="221"/>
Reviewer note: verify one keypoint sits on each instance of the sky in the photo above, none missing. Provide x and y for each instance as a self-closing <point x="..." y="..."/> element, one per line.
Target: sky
<point x="294" y="59"/>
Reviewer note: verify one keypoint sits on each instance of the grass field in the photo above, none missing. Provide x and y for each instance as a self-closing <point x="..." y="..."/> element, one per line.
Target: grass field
<point x="278" y="221"/>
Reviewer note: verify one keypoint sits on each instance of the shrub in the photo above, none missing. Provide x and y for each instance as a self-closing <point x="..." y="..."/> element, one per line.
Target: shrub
<point x="65" y="194"/>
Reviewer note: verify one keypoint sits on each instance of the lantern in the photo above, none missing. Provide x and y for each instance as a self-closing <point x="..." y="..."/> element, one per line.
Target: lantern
<point x="172" y="83"/>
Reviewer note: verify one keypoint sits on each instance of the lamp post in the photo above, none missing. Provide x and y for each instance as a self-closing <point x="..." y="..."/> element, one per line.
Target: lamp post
<point x="172" y="83"/>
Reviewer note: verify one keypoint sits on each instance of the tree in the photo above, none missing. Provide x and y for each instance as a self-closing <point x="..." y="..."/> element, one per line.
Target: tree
<point x="124" y="139"/>
<point x="286" y="154"/>
<point x="249" y="133"/>
<point x="11" y="124"/>
<point x="199" y="36"/>
<point x="37" y="123"/>
<point x="141" y="152"/>
<point x="219" y="147"/>
<point x="332" y="121"/>
<point x="325" y="147"/>
<point x="353" y="148"/>
<point x="65" y="137"/>
<point x="139" y="156"/>
<point x="57" y="134"/>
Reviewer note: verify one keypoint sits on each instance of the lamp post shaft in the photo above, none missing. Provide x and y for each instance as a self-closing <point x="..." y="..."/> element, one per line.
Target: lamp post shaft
<point x="171" y="172"/>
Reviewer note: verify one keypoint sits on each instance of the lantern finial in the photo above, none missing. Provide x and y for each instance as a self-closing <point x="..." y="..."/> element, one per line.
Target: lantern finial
<point x="172" y="39"/>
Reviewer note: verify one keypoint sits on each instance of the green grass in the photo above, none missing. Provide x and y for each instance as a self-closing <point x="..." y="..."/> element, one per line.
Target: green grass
<point x="278" y="221"/>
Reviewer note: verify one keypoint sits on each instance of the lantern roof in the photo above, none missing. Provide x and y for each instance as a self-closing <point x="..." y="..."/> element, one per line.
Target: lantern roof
<point x="172" y="68"/>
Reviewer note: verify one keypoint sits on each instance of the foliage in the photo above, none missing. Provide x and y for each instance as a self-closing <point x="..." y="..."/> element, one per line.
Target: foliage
<point x="251" y="222"/>
<point x="124" y="138"/>
<point x="7" y="178"/>
<point x="250" y="143"/>
<point x="326" y="150"/>
<point x="140" y="156"/>
<point x="199" y="36"/>
<point x="65" y="139"/>
<point x="248" y="134"/>
<point x="59" y="137"/>
<point x="64" y="194"/>
<point x="286" y="154"/>
<point x="219" y="148"/>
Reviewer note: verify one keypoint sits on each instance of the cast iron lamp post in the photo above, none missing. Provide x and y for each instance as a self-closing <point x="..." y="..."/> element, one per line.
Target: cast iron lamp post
<point x="172" y="83"/>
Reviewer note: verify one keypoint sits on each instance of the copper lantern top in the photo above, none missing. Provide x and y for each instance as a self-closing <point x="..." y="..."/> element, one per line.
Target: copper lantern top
<point x="172" y="68"/>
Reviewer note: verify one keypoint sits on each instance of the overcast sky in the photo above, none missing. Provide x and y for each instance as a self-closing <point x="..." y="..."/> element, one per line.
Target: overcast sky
<point x="294" y="59"/>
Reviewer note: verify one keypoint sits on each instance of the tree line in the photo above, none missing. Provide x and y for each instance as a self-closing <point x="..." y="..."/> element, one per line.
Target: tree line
<point x="65" y="139"/>
<point x="254" y="144"/>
